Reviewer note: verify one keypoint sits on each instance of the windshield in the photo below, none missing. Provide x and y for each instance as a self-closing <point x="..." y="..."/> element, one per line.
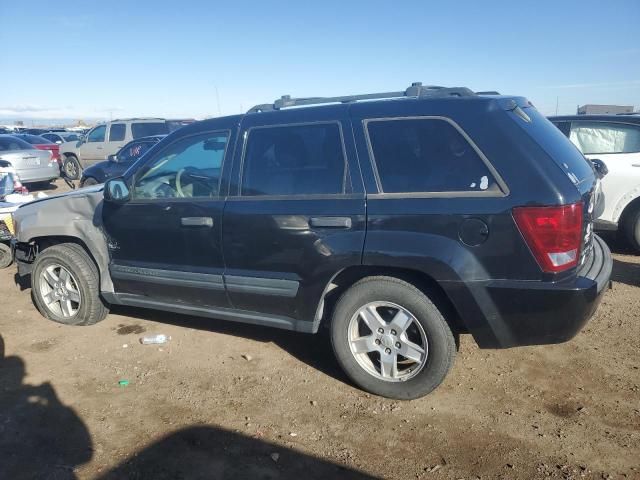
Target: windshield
<point x="9" y="143"/>
<point x="148" y="129"/>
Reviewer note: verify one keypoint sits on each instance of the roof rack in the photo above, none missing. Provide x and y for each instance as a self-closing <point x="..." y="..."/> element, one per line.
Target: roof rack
<point x="416" y="90"/>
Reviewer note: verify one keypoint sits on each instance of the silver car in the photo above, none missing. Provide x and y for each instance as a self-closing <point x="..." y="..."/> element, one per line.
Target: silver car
<point x="31" y="165"/>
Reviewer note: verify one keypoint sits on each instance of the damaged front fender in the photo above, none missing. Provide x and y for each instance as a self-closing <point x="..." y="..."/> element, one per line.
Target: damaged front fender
<point x="76" y="215"/>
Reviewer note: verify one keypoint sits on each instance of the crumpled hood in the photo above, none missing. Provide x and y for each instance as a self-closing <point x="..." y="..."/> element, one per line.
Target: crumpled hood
<point x="93" y="189"/>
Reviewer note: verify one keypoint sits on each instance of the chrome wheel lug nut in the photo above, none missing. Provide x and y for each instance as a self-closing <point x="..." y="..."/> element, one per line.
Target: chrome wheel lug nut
<point x="377" y="341"/>
<point x="387" y="351"/>
<point x="397" y="344"/>
<point x="380" y="330"/>
<point x="393" y="332"/>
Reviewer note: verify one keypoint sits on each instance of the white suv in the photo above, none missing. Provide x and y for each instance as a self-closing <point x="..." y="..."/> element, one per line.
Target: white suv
<point x="106" y="139"/>
<point x="614" y="140"/>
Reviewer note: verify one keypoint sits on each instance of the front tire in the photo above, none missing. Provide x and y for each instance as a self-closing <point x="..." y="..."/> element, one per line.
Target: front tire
<point x="390" y="339"/>
<point x="71" y="167"/>
<point x="66" y="286"/>
<point x="631" y="228"/>
<point x="6" y="255"/>
<point x="89" y="181"/>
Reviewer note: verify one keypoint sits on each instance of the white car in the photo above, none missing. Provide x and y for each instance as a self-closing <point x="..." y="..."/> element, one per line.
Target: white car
<point x="615" y="141"/>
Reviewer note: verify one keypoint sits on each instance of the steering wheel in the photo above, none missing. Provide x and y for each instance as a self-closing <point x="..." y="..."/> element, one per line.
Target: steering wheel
<point x="179" y="183"/>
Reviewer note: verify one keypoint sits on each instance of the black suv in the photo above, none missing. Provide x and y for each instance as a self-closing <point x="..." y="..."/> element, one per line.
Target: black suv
<point x="398" y="220"/>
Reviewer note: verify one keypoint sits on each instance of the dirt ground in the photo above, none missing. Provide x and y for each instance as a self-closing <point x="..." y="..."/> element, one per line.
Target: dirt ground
<point x="224" y="400"/>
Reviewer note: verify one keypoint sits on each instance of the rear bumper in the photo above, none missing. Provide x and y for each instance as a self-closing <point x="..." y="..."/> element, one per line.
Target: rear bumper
<point x="503" y="314"/>
<point x="42" y="174"/>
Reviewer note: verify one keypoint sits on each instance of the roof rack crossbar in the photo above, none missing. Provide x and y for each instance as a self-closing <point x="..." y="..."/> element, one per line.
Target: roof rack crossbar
<point x="415" y="90"/>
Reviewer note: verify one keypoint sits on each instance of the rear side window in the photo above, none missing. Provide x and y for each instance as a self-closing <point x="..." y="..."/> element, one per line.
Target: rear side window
<point x="426" y="155"/>
<point x="148" y="129"/>
<point x="564" y="127"/>
<point x="117" y="132"/>
<point x="603" y="137"/>
<point x="294" y="160"/>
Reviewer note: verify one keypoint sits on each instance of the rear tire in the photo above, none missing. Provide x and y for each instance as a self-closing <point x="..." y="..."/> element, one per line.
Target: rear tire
<point x="631" y="227"/>
<point x="373" y="357"/>
<point x="66" y="286"/>
<point x="6" y="255"/>
<point x="71" y="167"/>
<point x="88" y="182"/>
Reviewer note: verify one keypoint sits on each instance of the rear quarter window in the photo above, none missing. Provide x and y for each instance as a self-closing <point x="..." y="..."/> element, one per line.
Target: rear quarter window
<point x="148" y="129"/>
<point x="426" y="155"/>
<point x="8" y="144"/>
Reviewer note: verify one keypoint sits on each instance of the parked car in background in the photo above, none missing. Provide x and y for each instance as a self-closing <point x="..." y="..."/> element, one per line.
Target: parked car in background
<point x="118" y="163"/>
<point x="106" y="139"/>
<point x="61" y="137"/>
<point x="35" y="131"/>
<point x="176" y="123"/>
<point x="31" y="164"/>
<point x="41" y="143"/>
<point x="397" y="223"/>
<point x="615" y="141"/>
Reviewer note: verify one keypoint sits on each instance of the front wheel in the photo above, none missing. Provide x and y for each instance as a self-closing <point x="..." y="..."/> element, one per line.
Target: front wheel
<point x="89" y="181"/>
<point x="390" y="339"/>
<point x="66" y="286"/>
<point x="71" y="167"/>
<point x="6" y="255"/>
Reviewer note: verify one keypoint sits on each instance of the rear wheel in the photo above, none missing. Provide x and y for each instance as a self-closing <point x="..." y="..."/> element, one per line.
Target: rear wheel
<point x="71" y="167"/>
<point x="390" y="339"/>
<point x="631" y="226"/>
<point x="6" y="255"/>
<point x="66" y="286"/>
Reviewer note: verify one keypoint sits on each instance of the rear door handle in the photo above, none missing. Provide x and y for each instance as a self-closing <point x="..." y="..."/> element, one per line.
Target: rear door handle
<point x="197" y="222"/>
<point x="330" y="222"/>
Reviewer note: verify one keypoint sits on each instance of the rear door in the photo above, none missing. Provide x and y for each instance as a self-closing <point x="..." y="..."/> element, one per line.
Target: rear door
<point x="116" y="138"/>
<point x="295" y="216"/>
<point x="617" y="144"/>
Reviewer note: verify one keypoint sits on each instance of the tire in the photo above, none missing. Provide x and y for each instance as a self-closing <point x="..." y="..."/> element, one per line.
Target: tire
<point x="390" y="296"/>
<point x="631" y="227"/>
<point x="6" y="255"/>
<point x="88" y="182"/>
<point x="71" y="167"/>
<point x="84" y="286"/>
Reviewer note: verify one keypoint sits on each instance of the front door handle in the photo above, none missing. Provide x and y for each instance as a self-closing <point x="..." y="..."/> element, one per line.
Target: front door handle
<point x="330" y="222"/>
<point x="197" y="222"/>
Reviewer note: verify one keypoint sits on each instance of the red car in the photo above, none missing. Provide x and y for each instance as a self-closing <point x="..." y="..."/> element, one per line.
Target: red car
<point x="42" y="144"/>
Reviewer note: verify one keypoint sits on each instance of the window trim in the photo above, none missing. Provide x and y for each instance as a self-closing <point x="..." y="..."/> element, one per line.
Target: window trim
<point x="134" y="177"/>
<point x="247" y="133"/>
<point x="503" y="188"/>
<point x="124" y="138"/>
<point x="604" y="122"/>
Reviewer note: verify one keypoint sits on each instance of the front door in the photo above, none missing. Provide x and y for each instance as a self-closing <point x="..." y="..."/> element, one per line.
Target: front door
<point x="166" y="242"/>
<point x="92" y="149"/>
<point x="295" y="219"/>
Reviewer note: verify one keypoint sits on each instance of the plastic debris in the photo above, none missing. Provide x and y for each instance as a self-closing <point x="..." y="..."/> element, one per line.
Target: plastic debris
<point x="154" y="339"/>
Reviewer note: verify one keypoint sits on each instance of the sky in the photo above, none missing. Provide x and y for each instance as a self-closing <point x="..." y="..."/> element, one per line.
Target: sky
<point x="196" y="59"/>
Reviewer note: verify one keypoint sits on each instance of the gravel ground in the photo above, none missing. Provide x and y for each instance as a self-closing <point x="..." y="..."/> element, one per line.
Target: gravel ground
<point x="224" y="400"/>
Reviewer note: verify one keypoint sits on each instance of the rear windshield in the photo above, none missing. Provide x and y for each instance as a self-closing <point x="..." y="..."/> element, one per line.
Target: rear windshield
<point x="557" y="146"/>
<point x="35" y="139"/>
<point x="147" y="129"/>
<point x="10" y="143"/>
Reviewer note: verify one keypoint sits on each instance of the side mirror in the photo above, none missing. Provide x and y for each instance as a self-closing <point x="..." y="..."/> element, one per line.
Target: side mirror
<point x="113" y="158"/>
<point x="600" y="167"/>
<point x="117" y="191"/>
<point x="59" y="142"/>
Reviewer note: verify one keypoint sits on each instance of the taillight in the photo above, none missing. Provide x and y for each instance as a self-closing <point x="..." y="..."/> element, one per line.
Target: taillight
<point x="553" y="234"/>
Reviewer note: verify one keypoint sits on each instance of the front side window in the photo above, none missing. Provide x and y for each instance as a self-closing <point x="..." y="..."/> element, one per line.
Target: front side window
<point x="294" y="160"/>
<point x="426" y="155"/>
<point x="147" y="129"/>
<point x="97" y="134"/>
<point x="117" y="132"/>
<point x="188" y="168"/>
<point x="603" y="137"/>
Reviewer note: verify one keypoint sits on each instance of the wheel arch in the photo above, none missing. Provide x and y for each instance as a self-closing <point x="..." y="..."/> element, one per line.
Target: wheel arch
<point x="347" y="277"/>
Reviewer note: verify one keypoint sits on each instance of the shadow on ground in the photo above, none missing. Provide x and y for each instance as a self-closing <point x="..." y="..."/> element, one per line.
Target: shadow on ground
<point x="314" y="350"/>
<point x="39" y="436"/>
<point x="625" y="272"/>
<point x="214" y="453"/>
